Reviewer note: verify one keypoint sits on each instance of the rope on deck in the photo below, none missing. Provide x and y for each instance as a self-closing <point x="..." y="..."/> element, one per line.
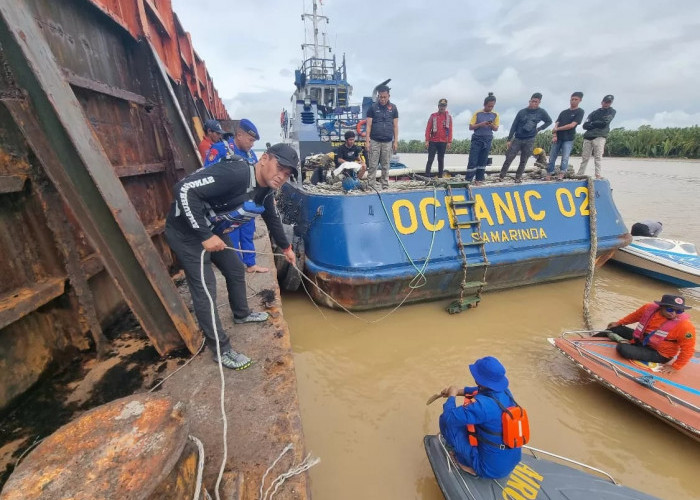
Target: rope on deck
<point x="593" y="226"/>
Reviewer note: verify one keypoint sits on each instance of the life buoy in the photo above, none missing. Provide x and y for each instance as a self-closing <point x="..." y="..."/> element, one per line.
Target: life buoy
<point x="361" y="128"/>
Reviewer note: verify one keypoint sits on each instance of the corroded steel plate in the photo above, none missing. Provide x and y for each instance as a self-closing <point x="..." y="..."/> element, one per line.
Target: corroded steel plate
<point x="124" y="449"/>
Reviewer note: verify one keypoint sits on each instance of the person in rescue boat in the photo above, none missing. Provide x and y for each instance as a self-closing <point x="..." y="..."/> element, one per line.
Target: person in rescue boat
<point x="663" y="332"/>
<point x="490" y="458"/>
<point x="438" y="137"/>
<point x="230" y="190"/>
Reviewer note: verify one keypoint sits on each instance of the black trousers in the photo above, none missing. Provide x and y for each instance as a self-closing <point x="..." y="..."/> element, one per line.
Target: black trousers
<point x="636" y="351"/>
<point x="188" y="250"/>
<point x="433" y="148"/>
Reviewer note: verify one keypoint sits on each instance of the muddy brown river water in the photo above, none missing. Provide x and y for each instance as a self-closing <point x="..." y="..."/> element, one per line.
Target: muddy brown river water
<point x="363" y="387"/>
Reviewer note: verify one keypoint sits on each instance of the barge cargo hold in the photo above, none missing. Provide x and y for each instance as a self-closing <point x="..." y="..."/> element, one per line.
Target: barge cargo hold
<point x="366" y="250"/>
<point x="100" y="105"/>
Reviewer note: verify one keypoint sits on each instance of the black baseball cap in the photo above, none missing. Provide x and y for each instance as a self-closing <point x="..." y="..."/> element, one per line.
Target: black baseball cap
<point x="286" y="156"/>
<point x="609" y="98"/>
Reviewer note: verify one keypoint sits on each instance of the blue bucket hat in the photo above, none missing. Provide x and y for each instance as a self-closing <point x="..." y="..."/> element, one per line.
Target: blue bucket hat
<point x="489" y="372"/>
<point x="247" y="126"/>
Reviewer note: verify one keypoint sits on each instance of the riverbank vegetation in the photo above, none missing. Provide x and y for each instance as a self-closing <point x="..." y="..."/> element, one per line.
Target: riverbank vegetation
<point x="645" y="142"/>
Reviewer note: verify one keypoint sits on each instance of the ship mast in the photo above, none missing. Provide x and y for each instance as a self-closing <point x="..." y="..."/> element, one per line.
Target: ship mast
<point x="317" y="48"/>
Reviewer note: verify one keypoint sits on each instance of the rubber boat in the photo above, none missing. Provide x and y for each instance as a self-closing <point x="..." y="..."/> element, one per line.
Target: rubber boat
<point x="674" y="398"/>
<point x="539" y="475"/>
<point x="673" y="261"/>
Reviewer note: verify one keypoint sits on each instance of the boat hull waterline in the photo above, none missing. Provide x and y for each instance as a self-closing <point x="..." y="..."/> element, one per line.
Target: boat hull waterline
<point x="365" y="250"/>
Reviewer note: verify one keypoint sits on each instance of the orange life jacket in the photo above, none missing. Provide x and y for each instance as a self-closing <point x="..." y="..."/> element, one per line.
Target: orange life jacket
<point x="516" y="426"/>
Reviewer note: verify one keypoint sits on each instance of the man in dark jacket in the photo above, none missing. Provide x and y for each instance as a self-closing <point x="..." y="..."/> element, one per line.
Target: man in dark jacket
<point x="382" y="135"/>
<point x="597" y="128"/>
<point x="490" y="458"/>
<point x="524" y="129"/>
<point x="209" y="203"/>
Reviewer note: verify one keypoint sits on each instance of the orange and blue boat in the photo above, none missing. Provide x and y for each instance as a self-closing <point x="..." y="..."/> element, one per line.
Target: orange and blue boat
<point x="674" y="398"/>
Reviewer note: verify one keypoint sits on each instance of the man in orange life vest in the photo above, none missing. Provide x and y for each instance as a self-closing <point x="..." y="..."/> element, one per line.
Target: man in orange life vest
<point x="490" y="458"/>
<point x="663" y="332"/>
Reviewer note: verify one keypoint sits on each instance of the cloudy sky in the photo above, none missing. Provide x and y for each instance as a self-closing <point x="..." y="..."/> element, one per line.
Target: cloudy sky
<point x="644" y="52"/>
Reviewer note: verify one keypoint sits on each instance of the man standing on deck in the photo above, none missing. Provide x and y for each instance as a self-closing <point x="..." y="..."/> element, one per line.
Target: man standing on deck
<point x="563" y="135"/>
<point x="382" y="135"/>
<point x="212" y="134"/>
<point x="484" y="123"/>
<point x="208" y="203"/>
<point x="438" y="137"/>
<point x="663" y="332"/>
<point x="597" y="128"/>
<point x="524" y="129"/>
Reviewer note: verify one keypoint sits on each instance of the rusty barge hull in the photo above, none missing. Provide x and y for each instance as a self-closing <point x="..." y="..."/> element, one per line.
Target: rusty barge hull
<point x="101" y="107"/>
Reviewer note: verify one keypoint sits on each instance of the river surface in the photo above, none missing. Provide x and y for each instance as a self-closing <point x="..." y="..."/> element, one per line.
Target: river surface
<point x="363" y="387"/>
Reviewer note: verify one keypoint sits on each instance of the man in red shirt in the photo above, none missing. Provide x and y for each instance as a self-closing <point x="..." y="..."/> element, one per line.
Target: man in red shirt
<point x="212" y="134"/>
<point x="663" y="332"/>
<point x="438" y="136"/>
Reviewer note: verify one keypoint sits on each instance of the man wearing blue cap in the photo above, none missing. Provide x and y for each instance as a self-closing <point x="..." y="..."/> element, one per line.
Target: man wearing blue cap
<point x="240" y="144"/>
<point x="490" y="458"/>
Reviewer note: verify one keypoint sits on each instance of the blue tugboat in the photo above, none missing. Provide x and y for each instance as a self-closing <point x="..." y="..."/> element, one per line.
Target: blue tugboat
<point x="424" y="239"/>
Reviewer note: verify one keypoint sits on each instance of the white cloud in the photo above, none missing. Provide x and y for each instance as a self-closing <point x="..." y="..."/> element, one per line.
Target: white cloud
<point x="642" y="53"/>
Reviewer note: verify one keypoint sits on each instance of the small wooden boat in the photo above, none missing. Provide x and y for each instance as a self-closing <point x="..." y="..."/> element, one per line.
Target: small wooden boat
<point x="537" y="476"/>
<point x="673" y="261"/>
<point x="675" y="398"/>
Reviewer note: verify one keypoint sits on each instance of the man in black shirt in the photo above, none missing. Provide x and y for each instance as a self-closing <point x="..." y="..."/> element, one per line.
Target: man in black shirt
<point x="563" y="135"/>
<point x="350" y="152"/>
<point x="210" y="202"/>
<point x="382" y="136"/>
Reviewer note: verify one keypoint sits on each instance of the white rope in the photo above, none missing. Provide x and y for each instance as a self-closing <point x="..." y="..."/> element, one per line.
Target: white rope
<point x="295" y="470"/>
<point x="221" y="375"/>
<point x="200" y="467"/>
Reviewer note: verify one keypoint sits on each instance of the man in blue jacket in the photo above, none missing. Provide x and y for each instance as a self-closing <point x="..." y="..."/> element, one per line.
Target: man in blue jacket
<point x="490" y="458"/>
<point x="240" y="144"/>
<point x="524" y="128"/>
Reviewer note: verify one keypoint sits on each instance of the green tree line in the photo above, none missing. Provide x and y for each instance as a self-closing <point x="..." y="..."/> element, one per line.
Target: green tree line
<point x="645" y="142"/>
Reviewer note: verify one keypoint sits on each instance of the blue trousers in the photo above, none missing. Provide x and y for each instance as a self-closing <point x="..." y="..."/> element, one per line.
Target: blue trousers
<point x="564" y="148"/>
<point x="242" y="239"/>
<point x="478" y="157"/>
<point x="458" y="439"/>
